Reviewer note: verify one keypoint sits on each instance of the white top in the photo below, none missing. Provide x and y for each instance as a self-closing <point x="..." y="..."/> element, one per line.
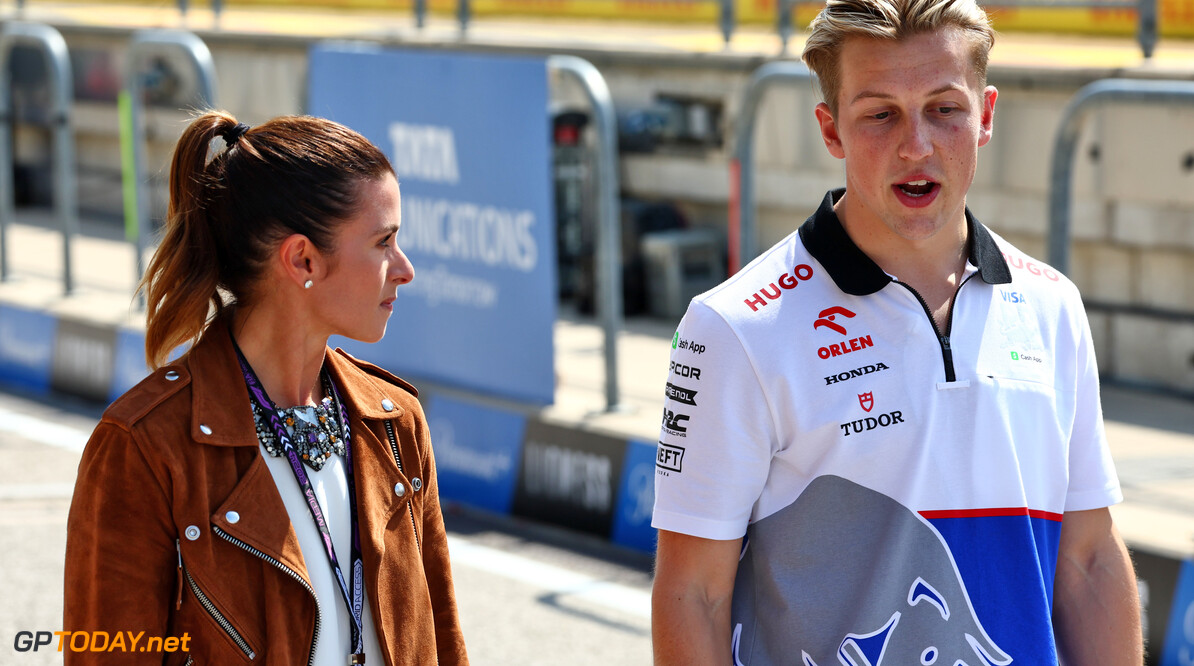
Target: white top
<point x="334" y="643"/>
<point x="813" y="407"/>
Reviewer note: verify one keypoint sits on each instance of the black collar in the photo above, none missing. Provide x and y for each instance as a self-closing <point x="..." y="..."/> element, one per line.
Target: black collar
<point x="858" y="275"/>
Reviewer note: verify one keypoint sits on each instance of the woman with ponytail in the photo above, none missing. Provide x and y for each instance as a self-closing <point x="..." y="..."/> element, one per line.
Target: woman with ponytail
<point x="263" y="498"/>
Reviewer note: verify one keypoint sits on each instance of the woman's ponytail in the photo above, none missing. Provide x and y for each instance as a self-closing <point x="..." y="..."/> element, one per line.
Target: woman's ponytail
<point x="290" y="175"/>
<point x="181" y="283"/>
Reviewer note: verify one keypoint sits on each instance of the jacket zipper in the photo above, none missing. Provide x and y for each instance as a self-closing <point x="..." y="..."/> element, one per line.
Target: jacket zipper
<point x="284" y="569"/>
<point x="398" y="459"/>
<point x="947" y="352"/>
<point x="190" y="661"/>
<point x="215" y="612"/>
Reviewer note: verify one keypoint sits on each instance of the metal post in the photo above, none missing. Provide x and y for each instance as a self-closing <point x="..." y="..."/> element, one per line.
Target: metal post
<point x="727" y="21"/>
<point x="1065" y="144"/>
<point x="420" y="13"/>
<point x="743" y="234"/>
<point x="1146" y="26"/>
<point x="784" y="10"/>
<point x="58" y="67"/>
<point x="137" y="223"/>
<point x="463" y="13"/>
<point x="609" y="229"/>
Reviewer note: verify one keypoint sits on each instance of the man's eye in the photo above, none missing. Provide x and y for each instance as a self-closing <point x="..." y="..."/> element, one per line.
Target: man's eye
<point x="945" y="110"/>
<point x="882" y="115"/>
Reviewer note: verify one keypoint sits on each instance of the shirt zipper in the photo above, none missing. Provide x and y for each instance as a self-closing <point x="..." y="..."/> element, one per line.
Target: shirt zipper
<point x="947" y="352"/>
<point x="398" y="459"/>
<point x="215" y="612"/>
<point x="284" y="569"/>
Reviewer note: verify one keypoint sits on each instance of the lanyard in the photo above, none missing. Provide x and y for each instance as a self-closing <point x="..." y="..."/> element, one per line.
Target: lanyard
<point x="354" y="599"/>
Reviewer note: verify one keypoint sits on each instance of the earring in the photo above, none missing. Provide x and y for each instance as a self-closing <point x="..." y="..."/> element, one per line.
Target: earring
<point x="308" y="284"/>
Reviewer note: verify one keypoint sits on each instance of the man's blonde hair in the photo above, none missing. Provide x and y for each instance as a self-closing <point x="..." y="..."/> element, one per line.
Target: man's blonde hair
<point x="889" y="20"/>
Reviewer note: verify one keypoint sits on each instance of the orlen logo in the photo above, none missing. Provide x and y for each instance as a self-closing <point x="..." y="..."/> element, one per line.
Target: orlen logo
<point x="827" y="316"/>
<point x="826" y="320"/>
<point x="785" y="281"/>
<point x="1024" y="264"/>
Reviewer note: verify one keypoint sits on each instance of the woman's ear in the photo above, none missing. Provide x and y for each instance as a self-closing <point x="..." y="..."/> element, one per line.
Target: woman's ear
<point x="300" y="260"/>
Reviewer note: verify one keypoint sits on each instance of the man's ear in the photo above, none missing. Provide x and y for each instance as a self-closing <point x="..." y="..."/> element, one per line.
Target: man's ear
<point x="829" y="134"/>
<point x="987" y="120"/>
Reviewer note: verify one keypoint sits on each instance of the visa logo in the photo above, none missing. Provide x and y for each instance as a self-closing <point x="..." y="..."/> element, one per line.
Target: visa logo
<point x="1013" y="296"/>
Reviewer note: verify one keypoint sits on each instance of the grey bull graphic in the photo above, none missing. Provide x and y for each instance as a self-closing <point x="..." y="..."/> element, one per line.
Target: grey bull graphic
<point x="846" y="576"/>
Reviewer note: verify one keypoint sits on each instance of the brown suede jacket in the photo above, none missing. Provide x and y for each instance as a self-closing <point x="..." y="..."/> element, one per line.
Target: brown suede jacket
<point x="177" y="528"/>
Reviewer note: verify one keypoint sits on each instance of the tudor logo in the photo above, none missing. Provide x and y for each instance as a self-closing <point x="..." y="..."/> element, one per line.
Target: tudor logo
<point x="772" y="292"/>
<point x="866" y="400"/>
<point x="871" y="422"/>
<point x="826" y="319"/>
<point x="681" y="394"/>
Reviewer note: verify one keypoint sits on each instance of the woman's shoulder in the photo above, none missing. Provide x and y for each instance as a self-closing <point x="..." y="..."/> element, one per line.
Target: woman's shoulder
<point x="401" y="390"/>
<point x="150" y="397"/>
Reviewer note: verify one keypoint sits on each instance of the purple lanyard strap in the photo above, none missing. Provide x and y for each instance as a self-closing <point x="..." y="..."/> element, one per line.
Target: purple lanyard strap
<point x="354" y="599"/>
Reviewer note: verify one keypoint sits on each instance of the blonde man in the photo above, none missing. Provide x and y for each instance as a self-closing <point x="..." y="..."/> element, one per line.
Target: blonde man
<point x="893" y="453"/>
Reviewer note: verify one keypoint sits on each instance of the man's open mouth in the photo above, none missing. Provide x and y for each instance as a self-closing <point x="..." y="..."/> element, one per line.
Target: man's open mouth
<point x="917" y="188"/>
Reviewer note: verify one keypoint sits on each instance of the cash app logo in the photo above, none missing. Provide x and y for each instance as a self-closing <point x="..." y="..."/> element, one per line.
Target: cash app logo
<point x="1015" y="356"/>
<point x="675" y="339"/>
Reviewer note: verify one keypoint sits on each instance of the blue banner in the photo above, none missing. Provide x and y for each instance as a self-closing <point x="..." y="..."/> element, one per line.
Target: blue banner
<point x="1179" y="639"/>
<point x="129" y="366"/>
<point x="477" y="450"/>
<point x="26" y="348"/>
<point x="469" y="137"/>
<point x="636" y="498"/>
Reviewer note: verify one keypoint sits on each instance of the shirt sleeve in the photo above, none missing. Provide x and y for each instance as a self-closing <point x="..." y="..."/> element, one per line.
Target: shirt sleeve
<point x="1093" y="481"/>
<point x="717" y="436"/>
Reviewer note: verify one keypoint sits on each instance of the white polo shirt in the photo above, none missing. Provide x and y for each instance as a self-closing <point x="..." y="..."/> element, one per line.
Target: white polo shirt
<point x="901" y="489"/>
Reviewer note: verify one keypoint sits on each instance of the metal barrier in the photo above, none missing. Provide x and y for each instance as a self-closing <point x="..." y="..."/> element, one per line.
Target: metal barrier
<point x="743" y="232"/>
<point x="609" y="228"/>
<point x="1084" y="102"/>
<point x="132" y="125"/>
<point x="217" y="7"/>
<point x="50" y="42"/>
